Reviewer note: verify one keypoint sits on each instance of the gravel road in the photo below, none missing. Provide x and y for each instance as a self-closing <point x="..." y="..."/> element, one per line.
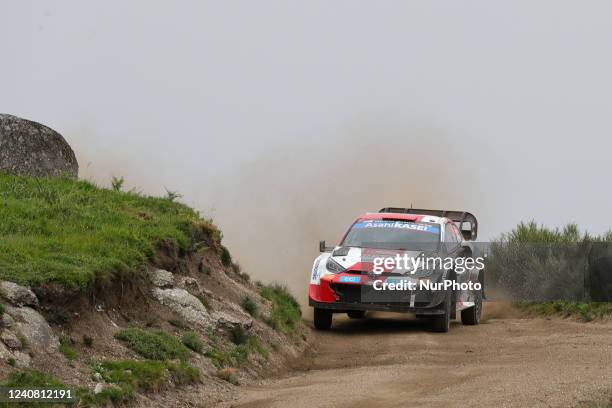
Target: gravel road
<point x="394" y="361"/>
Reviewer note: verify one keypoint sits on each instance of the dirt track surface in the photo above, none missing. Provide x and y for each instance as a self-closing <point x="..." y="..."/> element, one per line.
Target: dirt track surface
<point x="393" y="361"/>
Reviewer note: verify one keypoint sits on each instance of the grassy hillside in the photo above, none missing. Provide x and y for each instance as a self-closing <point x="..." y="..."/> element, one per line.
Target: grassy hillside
<point x="73" y="232"/>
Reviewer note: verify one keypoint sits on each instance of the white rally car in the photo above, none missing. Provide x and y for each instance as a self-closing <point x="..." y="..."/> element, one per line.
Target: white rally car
<point x="356" y="276"/>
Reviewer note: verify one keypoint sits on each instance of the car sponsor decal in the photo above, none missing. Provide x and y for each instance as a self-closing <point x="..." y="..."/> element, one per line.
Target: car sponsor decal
<point x="434" y="229"/>
<point x="349" y="279"/>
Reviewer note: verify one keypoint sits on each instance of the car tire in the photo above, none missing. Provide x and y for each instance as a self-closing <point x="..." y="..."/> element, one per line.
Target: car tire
<point x="441" y="323"/>
<point x="471" y="316"/>
<point x="356" y="314"/>
<point x="322" y="319"/>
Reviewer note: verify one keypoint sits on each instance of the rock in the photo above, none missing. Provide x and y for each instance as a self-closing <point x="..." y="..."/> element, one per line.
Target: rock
<point x="29" y="148"/>
<point x="22" y="360"/>
<point x="227" y="320"/>
<point x="17" y="294"/>
<point x="98" y="388"/>
<point x="189" y="283"/>
<point x="185" y="305"/>
<point x="4" y="352"/>
<point x="10" y="339"/>
<point x="162" y="278"/>
<point x="7" y="320"/>
<point x="34" y="328"/>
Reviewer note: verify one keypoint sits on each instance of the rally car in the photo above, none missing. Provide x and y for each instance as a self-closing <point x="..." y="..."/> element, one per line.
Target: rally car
<point x="363" y="273"/>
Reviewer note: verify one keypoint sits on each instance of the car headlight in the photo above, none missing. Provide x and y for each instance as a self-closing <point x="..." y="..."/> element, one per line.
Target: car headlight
<point x="333" y="266"/>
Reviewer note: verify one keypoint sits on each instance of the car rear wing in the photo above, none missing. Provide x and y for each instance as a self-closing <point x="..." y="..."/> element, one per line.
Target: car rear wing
<point x="465" y="221"/>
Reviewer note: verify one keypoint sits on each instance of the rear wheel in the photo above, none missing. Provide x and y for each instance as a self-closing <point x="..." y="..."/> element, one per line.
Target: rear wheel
<point x="356" y="314"/>
<point x="471" y="316"/>
<point x="322" y="319"/>
<point x="441" y="323"/>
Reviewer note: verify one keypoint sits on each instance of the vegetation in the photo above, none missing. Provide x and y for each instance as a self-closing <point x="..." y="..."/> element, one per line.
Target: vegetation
<point x="153" y="345"/>
<point x="128" y="376"/>
<point x="193" y="341"/>
<point x="66" y="348"/>
<point x="228" y="374"/>
<point x="88" y="341"/>
<point x="75" y="233"/>
<point x="31" y="379"/>
<point x="235" y="355"/>
<point x="286" y="312"/>
<point x="250" y="306"/>
<point x="551" y="271"/>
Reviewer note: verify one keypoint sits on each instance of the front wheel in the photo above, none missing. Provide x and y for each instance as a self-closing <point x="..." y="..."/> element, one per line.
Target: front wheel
<point x="441" y="323"/>
<point x="471" y="316"/>
<point x="322" y="319"/>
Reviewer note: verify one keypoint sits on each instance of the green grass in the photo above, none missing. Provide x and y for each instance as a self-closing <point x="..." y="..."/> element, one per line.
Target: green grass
<point x="75" y="233"/>
<point x="286" y="312"/>
<point x="583" y="311"/>
<point x="236" y="355"/>
<point x="129" y="376"/>
<point x="250" y="306"/>
<point x="193" y="341"/>
<point x="154" y="345"/>
<point x="31" y="379"/>
<point x="66" y="348"/>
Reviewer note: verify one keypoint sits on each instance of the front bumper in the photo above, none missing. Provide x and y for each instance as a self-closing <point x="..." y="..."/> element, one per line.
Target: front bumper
<point x="341" y="307"/>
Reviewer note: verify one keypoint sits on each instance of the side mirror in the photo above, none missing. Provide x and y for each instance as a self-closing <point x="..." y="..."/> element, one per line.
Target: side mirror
<point x="323" y="248"/>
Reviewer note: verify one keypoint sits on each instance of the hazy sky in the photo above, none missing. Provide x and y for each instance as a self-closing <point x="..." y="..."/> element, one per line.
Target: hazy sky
<point x="511" y="99"/>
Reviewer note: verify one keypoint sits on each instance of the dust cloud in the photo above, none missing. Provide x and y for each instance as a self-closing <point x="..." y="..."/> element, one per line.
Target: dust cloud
<point x="275" y="208"/>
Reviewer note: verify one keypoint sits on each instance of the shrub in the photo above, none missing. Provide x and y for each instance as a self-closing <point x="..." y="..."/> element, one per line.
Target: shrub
<point x="250" y="306"/>
<point x="88" y="341"/>
<point x="286" y="312"/>
<point x="154" y="346"/>
<point x="193" y="341"/>
<point x="228" y="374"/>
<point x="117" y="183"/>
<point x="66" y="348"/>
<point x="226" y="257"/>
<point x="11" y="361"/>
<point x="238" y="335"/>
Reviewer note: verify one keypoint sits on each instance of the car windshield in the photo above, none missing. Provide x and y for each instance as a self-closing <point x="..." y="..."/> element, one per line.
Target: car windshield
<point x="393" y="234"/>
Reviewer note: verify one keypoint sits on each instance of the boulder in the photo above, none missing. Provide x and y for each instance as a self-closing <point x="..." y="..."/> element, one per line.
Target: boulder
<point x="185" y="305"/>
<point x="230" y="320"/>
<point x="10" y="339"/>
<point x="17" y="294"/>
<point x="7" y="321"/>
<point x="29" y="148"/>
<point x="34" y="327"/>
<point x="22" y="359"/>
<point x="161" y="278"/>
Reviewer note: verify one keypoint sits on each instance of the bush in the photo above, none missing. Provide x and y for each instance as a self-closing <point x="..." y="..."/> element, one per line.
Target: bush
<point x="286" y="312"/>
<point x="88" y="341"/>
<point x="154" y="346"/>
<point x="250" y="306"/>
<point x="226" y="257"/>
<point x="66" y="348"/>
<point x="228" y="374"/>
<point x="237" y="354"/>
<point x="238" y="335"/>
<point x="193" y="341"/>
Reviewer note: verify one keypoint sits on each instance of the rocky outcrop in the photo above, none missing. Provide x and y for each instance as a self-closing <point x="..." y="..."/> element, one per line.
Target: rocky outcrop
<point x="18" y="295"/>
<point x="161" y="278"/>
<point x="29" y="148"/>
<point x="34" y="328"/>
<point x="185" y="305"/>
